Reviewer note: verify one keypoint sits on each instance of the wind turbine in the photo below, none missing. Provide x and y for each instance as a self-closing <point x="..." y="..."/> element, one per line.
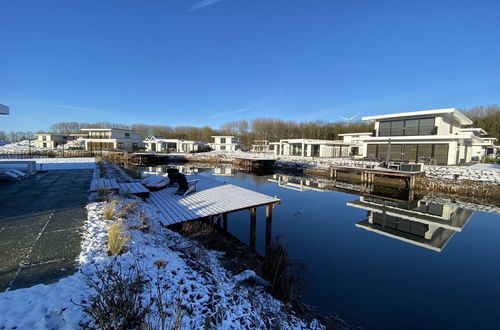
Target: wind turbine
<point x="349" y="119"/>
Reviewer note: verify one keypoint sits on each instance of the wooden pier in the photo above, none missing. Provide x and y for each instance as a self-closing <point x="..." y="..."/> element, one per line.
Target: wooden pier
<point x="213" y="200"/>
<point x="368" y="174"/>
<point x="254" y="164"/>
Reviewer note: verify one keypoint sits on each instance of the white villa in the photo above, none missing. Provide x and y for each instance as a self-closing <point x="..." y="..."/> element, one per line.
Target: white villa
<point x="49" y="140"/>
<point x="161" y="144"/>
<point x="312" y="148"/>
<point x="112" y="139"/>
<point x="225" y="142"/>
<point x="435" y="136"/>
<point x="261" y="146"/>
<point x="430" y="136"/>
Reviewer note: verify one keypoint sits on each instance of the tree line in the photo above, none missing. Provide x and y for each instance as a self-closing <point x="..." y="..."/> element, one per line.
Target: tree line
<point x="271" y="129"/>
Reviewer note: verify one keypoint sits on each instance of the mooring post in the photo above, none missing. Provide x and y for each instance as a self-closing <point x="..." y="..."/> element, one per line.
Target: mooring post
<point x="224" y="221"/>
<point x="269" y="220"/>
<point x="253" y="226"/>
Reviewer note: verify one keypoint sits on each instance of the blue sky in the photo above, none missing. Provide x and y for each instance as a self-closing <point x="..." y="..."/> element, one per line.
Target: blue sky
<point x="192" y="62"/>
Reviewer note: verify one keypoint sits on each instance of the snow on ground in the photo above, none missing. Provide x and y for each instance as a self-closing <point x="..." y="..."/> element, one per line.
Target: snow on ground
<point x="487" y="167"/>
<point x="20" y="146"/>
<point x="23" y="146"/>
<point x="193" y="279"/>
<point x="77" y="163"/>
<point x="463" y="173"/>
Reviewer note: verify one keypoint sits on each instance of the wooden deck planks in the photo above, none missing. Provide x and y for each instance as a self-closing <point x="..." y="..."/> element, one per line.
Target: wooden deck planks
<point x="212" y="198"/>
<point x="134" y="188"/>
<point x="101" y="183"/>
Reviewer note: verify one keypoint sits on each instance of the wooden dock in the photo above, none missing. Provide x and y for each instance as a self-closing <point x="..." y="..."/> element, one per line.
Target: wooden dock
<point x="213" y="200"/>
<point x="133" y="188"/>
<point x="368" y="174"/>
<point x="104" y="184"/>
<point x="254" y="164"/>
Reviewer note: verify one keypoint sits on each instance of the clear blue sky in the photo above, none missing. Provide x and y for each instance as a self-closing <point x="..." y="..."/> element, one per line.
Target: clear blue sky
<point x="192" y="62"/>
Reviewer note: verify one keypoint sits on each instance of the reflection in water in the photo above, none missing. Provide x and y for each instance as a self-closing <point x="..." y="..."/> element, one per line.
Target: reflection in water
<point x="361" y="247"/>
<point x="426" y="224"/>
<point x="298" y="183"/>
<point x="423" y="223"/>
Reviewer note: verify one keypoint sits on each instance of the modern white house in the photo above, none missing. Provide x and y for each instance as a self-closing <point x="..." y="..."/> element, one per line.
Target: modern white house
<point x="112" y="139"/>
<point x="312" y="148"/>
<point x="161" y="144"/>
<point x="225" y="143"/>
<point x="432" y="136"/>
<point x="426" y="224"/>
<point x="261" y="146"/>
<point x="356" y="141"/>
<point x="49" y="140"/>
<point x="4" y="110"/>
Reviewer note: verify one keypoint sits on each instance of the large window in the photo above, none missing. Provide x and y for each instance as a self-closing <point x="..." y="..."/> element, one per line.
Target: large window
<point x="424" y="126"/>
<point x="437" y="153"/>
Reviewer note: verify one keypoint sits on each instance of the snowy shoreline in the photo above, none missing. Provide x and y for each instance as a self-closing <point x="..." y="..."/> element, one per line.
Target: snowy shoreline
<point x="193" y="277"/>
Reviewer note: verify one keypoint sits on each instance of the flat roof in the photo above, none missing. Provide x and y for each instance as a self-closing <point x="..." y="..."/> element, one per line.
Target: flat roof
<point x="464" y="120"/>
<point x="4" y="110"/>
<point x="365" y="133"/>
<point x="107" y="129"/>
<point x="474" y="129"/>
<point x="311" y="141"/>
<point x="225" y="136"/>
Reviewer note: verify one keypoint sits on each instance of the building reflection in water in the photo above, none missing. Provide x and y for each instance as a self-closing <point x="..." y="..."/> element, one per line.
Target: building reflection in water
<point x="224" y="171"/>
<point x="422" y="223"/>
<point x="298" y="183"/>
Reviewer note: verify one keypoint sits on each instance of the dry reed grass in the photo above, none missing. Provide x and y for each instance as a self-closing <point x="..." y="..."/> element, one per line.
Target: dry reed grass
<point x="117" y="239"/>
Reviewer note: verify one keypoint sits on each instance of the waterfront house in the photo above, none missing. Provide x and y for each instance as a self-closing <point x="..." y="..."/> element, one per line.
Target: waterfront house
<point x="431" y="136"/>
<point x="225" y="142"/>
<point x="112" y="139"/>
<point x="261" y="146"/>
<point x="161" y="144"/>
<point x="312" y="148"/>
<point x="49" y="140"/>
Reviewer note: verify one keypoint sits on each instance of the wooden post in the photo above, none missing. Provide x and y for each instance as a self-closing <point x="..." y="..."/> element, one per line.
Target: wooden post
<point x="224" y="221"/>
<point x="253" y="226"/>
<point x="269" y="220"/>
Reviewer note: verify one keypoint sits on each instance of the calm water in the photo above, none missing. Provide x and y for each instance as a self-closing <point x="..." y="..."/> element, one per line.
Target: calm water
<point x="379" y="263"/>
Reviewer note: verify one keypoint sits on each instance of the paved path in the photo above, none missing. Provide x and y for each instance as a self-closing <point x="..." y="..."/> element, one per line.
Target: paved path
<point x="40" y="227"/>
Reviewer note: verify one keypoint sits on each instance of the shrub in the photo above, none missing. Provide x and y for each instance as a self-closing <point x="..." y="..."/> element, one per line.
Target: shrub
<point x="117" y="239"/>
<point x="118" y="302"/>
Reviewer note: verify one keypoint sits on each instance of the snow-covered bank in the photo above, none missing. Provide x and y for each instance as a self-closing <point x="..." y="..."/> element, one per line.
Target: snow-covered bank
<point x="26" y="145"/>
<point x="193" y="279"/>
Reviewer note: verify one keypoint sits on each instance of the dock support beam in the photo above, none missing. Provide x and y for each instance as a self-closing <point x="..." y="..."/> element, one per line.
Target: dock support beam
<point x="269" y="220"/>
<point x="224" y="221"/>
<point x="253" y="226"/>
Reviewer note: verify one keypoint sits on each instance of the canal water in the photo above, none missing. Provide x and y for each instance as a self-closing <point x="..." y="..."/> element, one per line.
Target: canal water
<point x="379" y="262"/>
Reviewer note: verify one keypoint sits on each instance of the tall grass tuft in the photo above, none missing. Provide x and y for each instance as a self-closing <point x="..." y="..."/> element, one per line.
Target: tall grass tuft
<point x="109" y="211"/>
<point x="117" y="239"/>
